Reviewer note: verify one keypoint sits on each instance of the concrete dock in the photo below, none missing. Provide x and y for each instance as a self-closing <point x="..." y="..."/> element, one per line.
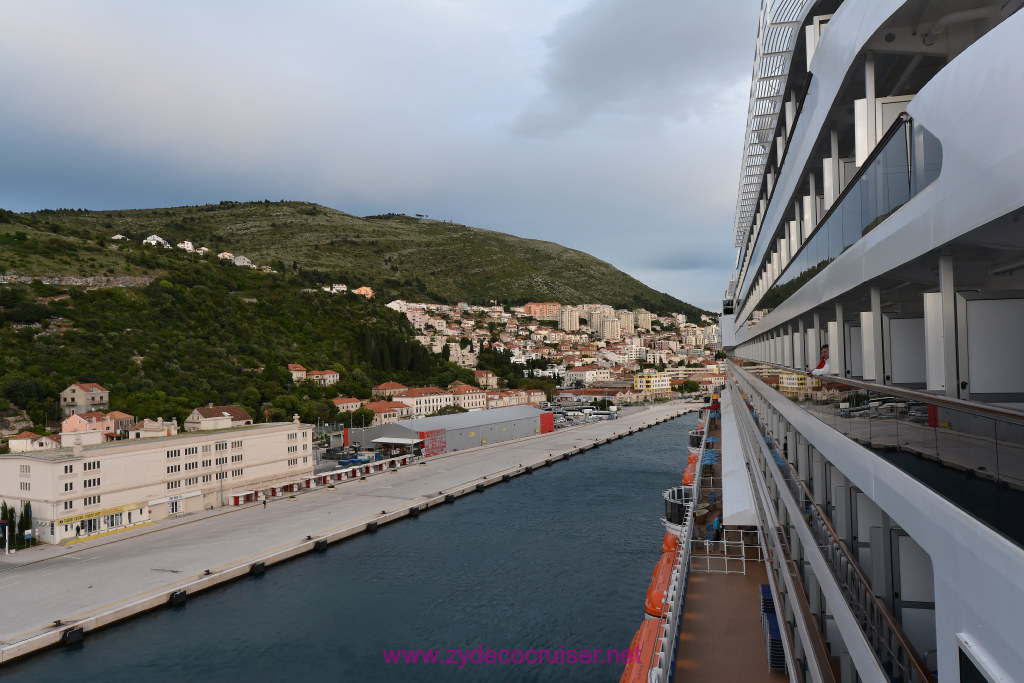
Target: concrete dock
<point x="55" y="594"/>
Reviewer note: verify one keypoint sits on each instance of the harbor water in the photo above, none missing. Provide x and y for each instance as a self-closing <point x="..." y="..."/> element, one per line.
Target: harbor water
<point x="558" y="560"/>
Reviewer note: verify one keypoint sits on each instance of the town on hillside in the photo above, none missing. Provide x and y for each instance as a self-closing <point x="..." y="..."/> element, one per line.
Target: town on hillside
<point x="82" y="468"/>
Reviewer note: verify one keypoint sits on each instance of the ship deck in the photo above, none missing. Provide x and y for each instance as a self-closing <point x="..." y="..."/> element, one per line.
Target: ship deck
<point x="721" y="638"/>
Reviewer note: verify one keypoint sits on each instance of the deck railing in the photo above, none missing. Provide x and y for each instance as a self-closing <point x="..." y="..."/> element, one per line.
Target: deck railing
<point x="876" y="621"/>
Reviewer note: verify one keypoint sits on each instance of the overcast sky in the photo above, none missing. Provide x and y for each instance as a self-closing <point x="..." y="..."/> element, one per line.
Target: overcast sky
<point x="614" y="126"/>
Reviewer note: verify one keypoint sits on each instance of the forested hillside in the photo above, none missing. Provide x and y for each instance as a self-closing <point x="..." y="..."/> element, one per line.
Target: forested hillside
<point x="206" y="332"/>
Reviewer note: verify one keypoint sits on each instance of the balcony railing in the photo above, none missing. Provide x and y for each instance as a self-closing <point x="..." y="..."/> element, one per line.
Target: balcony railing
<point x="906" y="160"/>
<point x="971" y="454"/>
<point x="882" y="630"/>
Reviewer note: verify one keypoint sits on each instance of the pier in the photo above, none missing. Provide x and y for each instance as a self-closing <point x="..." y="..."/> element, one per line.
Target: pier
<point x="58" y="594"/>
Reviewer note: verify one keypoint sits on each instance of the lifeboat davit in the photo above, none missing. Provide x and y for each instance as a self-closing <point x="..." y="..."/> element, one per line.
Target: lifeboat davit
<point x="655" y="605"/>
<point x="641" y="649"/>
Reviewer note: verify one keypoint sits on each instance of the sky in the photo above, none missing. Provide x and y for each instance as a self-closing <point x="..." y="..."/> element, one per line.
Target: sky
<point x="611" y="126"/>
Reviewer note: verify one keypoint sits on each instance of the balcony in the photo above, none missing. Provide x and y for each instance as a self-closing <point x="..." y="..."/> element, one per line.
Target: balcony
<point x="906" y="161"/>
<point x="971" y="454"/>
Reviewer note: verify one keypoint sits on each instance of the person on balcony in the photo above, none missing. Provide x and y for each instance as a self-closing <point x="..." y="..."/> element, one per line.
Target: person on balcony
<point x="823" y="367"/>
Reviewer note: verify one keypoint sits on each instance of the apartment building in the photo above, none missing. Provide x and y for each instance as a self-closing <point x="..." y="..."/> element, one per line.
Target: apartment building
<point x="91" y="489"/>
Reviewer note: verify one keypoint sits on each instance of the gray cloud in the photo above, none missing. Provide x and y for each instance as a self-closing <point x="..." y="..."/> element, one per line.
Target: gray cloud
<point x="643" y="59"/>
<point x="614" y="126"/>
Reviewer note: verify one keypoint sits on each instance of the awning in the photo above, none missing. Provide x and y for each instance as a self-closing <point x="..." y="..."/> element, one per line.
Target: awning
<point x="394" y="440"/>
<point x="242" y="493"/>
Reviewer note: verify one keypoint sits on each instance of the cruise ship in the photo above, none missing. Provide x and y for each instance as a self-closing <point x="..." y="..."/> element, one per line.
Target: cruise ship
<point x="873" y="416"/>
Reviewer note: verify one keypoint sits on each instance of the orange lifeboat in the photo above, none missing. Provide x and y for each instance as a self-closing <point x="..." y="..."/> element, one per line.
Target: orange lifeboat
<point x="655" y="606"/>
<point x="691" y="469"/>
<point x="641" y="649"/>
<point x="669" y="543"/>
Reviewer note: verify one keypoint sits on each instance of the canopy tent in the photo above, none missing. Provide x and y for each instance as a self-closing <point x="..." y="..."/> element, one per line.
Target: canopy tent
<point x="397" y="441"/>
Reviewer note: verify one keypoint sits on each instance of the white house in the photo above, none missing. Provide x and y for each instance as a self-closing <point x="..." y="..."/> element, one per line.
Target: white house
<point x="156" y="241"/>
<point x="217" y="417"/>
<point x="27" y="442"/>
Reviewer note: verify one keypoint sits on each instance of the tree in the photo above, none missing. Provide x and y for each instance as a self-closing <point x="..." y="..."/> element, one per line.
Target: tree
<point x="689" y="386"/>
<point x="448" y="410"/>
<point x="363" y="417"/>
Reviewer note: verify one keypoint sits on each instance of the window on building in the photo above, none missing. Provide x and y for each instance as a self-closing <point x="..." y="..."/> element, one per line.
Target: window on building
<point x="171" y="469"/>
<point x="207" y="478"/>
<point x="220" y="446"/>
<point x="68" y="469"/>
<point x="68" y="504"/>
<point x="174" y="484"/>
<point x="90" y="483"/>
<point x="222" y="475"/>
<point x="222" y="460"/>
<point x="191" y="481"/>
<point x="91" y="500"/>
<point x="236" y="458"/>
<point x="236" y="473"/>
<point x="25" y="486"/>
<point x="26" y="469"/>
<point x="293" y="461"/>
<point x="69" y="486"/>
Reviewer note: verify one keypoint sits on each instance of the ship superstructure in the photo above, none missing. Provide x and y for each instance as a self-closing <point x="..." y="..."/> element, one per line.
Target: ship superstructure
<point x="881" y="215"/>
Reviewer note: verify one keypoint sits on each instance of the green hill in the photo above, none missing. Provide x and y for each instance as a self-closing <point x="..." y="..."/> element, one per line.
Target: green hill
<point x="208" y="332"/>
<point x="399" y="256"/>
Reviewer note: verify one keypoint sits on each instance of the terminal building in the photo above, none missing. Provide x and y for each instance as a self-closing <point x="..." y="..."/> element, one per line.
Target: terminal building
<point x="87" y="489"/>
<point x="449" y="433"/>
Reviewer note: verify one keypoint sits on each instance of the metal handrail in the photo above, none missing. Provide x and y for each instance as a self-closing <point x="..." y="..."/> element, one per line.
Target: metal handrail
<point x="980" y="409"/>
<point x="770" y="548"/>
<point x="818" y="644"/>
<point x="881" y="627"/>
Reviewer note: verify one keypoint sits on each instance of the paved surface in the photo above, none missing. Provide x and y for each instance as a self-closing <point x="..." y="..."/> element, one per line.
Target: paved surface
<point x="43" y="584"/>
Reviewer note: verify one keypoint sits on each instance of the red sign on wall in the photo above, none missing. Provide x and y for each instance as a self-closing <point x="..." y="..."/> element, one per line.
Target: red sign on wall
<point x="434" y="442"/>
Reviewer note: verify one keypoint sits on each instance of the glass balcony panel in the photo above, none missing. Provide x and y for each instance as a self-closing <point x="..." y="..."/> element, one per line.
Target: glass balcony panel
<point x="884" y="185"/>
<point x="974" y="460"/>
<point x="1010" y="452"/>
<point x="927" y="158"/>
<point x="882" y="422"/>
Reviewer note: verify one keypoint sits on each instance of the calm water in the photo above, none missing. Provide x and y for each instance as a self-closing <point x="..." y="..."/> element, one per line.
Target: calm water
<point x="561" y="557"/>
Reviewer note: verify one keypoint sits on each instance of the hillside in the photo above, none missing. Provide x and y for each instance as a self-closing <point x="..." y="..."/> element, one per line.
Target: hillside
<point x="208" y="332"/>
<point x="399" y="256"/>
